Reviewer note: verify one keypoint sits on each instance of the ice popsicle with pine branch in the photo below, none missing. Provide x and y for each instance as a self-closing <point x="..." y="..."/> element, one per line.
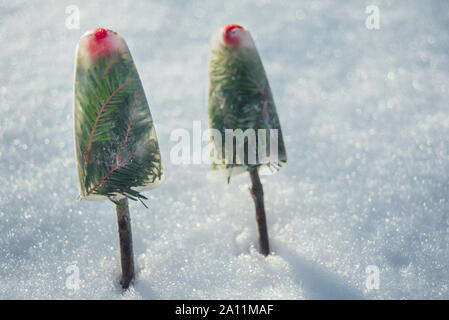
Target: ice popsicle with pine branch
<point x="116" y="145"/>
<point x="240" y="98"/>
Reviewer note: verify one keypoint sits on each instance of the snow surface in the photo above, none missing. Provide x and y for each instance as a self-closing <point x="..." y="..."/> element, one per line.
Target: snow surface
<point x="366" y="123"/>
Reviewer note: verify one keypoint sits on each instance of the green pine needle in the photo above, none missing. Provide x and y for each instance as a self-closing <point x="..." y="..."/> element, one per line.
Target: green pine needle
<point x="240" y="98"/>
<point x="117" y="149"/>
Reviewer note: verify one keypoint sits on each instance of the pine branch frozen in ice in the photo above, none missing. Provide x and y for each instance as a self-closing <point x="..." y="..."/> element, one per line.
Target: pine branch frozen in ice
<point x="239" y="95"/>
<point x="116" y="144"/>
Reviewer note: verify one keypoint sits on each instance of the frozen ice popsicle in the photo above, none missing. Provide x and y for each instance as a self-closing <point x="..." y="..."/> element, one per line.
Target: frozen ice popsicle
<point x="240" y="97"/>
<point x="241" y="108"/>
<point x="116" y="145"/>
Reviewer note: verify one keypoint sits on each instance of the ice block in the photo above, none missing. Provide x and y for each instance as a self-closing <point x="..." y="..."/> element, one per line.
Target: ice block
<point x="117" y="150"/>
<point x="239" y="97"/>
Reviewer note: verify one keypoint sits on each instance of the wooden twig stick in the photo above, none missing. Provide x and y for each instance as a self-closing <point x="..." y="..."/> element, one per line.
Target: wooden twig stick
<point x="126" y="243"/>
<point x="257" y="194"/>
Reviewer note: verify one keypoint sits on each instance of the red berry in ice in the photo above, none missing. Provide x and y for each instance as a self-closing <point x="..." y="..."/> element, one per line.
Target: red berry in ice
<point x="100" y="44"/>
<point x="230" y="36"/>
<point x="100" y="33"/>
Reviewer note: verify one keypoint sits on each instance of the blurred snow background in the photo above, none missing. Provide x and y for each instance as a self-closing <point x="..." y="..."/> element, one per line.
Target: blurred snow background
<point x="366" y="119"/>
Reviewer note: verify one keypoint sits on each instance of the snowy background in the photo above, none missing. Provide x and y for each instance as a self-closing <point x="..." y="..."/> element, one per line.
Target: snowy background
<point x="364" y="113"/>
